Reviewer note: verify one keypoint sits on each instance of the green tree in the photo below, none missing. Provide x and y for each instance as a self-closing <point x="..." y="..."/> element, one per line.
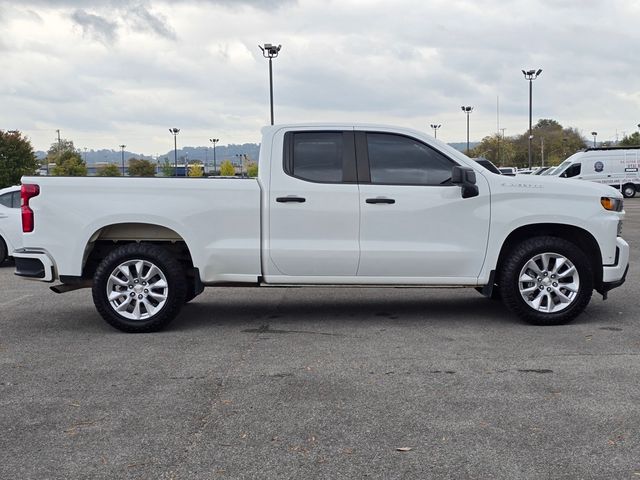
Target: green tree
<point x="549" y="136"/>
<point x="252" y="169"/>
<point x="227" y="169"/>
<point x="110" y="170"/>
<point x="630" y="140"/>
<point x="195" y="169"/>
<point x="167" y="168"/>
<point x="70" y="164"/>
<point x="141" y="168"/>
<point x="16" y="158"/>
<point x="501" y="151"/>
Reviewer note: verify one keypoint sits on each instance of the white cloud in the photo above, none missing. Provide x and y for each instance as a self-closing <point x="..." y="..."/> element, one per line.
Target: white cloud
<point x="123" y="72"/>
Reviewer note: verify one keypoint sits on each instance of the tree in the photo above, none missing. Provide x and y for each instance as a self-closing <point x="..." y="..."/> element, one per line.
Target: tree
<point x="16" y="158"/>
<point x="110" y="170"/>
<point x="559" y="143"/>
<point x="167" y="168"/>
<point x="227" y="169"/>
<point x="252" y="169"/>
<point x="70" y="164"/>
<point x="195" y="169"/>
<point x="501" y="151"/>
<point x="630" y="140"/>
<point x="141" y="168"/>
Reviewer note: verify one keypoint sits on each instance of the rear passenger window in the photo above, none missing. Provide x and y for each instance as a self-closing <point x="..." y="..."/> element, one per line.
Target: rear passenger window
<point x="317" y="156"/>
<point x="16" y="199"/>
<point x="5" y="200"/>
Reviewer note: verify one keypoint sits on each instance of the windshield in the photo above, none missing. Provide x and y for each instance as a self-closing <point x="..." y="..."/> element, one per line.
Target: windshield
<point x="549" y="172"/>
<point x="560" y="168"/>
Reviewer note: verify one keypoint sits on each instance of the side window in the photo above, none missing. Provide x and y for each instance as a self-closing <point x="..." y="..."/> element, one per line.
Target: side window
<point x="317" y="156"/>
<point x="572" y="171"/>
<point x="395" y="159"/>
<point x="6" y="200"/>
<point x="16" y="200"/>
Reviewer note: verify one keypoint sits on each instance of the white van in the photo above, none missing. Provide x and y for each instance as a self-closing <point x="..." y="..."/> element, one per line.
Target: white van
<point x="615" y="166"/>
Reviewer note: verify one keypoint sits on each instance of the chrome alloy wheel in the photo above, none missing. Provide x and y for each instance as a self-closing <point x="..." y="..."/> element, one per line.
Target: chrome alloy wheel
<point x="137" y="289"/>
<point x="549" y="282"/>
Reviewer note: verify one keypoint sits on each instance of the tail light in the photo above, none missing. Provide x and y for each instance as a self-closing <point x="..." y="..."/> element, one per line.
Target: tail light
<point x="27" y="192"/>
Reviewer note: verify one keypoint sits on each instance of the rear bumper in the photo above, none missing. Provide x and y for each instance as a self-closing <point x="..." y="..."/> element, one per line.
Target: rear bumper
<point x="34" y="264"/>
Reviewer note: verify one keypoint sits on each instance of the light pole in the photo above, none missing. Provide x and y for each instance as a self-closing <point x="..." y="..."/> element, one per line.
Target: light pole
<point x="175" y="131"/>
<point x="531" y="75"/>
<point x="468" y="111"/>
<point x="595" y="134"/>
<point x="122" y="151"/>
<point x="242" y="157"/>
<point x="214" y="141"/>
<point x="435" y="127"/>
<point x="270" y="51"/>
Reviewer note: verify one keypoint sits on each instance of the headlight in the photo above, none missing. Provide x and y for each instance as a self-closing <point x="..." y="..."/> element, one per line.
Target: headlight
<point x="613" y="204"/>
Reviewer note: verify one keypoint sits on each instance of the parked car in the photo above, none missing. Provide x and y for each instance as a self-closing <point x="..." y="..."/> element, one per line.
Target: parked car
<point x="488" y="164"/>
<point x="333" y="204"/>
<point x="614" y="166"/>
<point x="10" y="225"/>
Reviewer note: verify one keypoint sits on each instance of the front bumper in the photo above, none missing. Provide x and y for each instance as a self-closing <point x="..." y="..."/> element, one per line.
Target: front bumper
<point x="34" y="264"/>
<point x="614" y="275"/>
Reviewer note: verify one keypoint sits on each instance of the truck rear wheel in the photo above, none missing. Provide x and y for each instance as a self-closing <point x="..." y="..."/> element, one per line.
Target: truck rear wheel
<point x="139" y="287"/>
<point x="628" y="190"/>
<point x="546" y="281"/>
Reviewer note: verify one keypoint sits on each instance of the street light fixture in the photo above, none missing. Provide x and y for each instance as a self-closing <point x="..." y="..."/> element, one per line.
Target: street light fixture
<point x="175" y="131"/>
<point x="214" y="141"/>
<point x="435" y="127"/>
<point x="270" y="51"/>
<point x="122" y="151"/>
<point x="531" y="75"/>
<point x="595" y="134"/>
<point x="468" y="111"/>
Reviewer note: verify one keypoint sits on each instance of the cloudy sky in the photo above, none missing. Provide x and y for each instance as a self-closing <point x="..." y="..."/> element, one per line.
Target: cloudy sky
<point x="124" y="71"/>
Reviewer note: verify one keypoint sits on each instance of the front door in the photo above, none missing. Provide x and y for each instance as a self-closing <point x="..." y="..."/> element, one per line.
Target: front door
<point x="414" y="223"/>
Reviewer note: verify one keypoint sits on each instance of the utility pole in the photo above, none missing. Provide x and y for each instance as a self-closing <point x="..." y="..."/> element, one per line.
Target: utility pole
<point x="122" y="147"/>
<point x="214" y="141"/>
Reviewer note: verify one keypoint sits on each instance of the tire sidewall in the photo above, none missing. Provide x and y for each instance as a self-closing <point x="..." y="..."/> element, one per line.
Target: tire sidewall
<point x="160" y="258"/>
<point x="631" y="191"/>
<point x="526" y="251"/>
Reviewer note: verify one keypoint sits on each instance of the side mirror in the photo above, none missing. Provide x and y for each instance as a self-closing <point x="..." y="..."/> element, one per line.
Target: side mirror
<point x="466" y="178"/>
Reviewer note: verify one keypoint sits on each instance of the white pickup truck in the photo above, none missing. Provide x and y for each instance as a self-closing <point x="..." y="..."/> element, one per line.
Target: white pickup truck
<point x="333" y="204"/>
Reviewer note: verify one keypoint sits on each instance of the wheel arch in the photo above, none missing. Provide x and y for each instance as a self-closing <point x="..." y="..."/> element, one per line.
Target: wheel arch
<point x="579" y="236"/>
<point x="106" y="238"/>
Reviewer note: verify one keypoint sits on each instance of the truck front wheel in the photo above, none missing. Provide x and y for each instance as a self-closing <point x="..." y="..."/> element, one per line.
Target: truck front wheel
<point x="546" y="280"/>
<point x="139" y="287"/>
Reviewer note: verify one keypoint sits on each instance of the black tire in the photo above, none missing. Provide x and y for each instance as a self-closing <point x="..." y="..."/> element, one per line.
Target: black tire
<point x="513" y="265"/>
<point x="3" y="251"/>
<point x="628" y="190"/>
<point x="168" y="266"/>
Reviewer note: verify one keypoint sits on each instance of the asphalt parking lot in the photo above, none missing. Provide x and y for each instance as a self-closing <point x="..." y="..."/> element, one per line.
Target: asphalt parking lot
<point x="320" y="383"/>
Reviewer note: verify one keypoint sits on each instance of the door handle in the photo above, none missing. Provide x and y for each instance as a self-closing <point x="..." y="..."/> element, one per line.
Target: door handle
<point x="4" y="216"/>
<point x="380" y="200"/>
<point x="291" y="198"/>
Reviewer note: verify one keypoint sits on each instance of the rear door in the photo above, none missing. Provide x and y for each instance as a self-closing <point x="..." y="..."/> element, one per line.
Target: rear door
<point x="313" y="206"/>
<point x="414" y="222"/>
